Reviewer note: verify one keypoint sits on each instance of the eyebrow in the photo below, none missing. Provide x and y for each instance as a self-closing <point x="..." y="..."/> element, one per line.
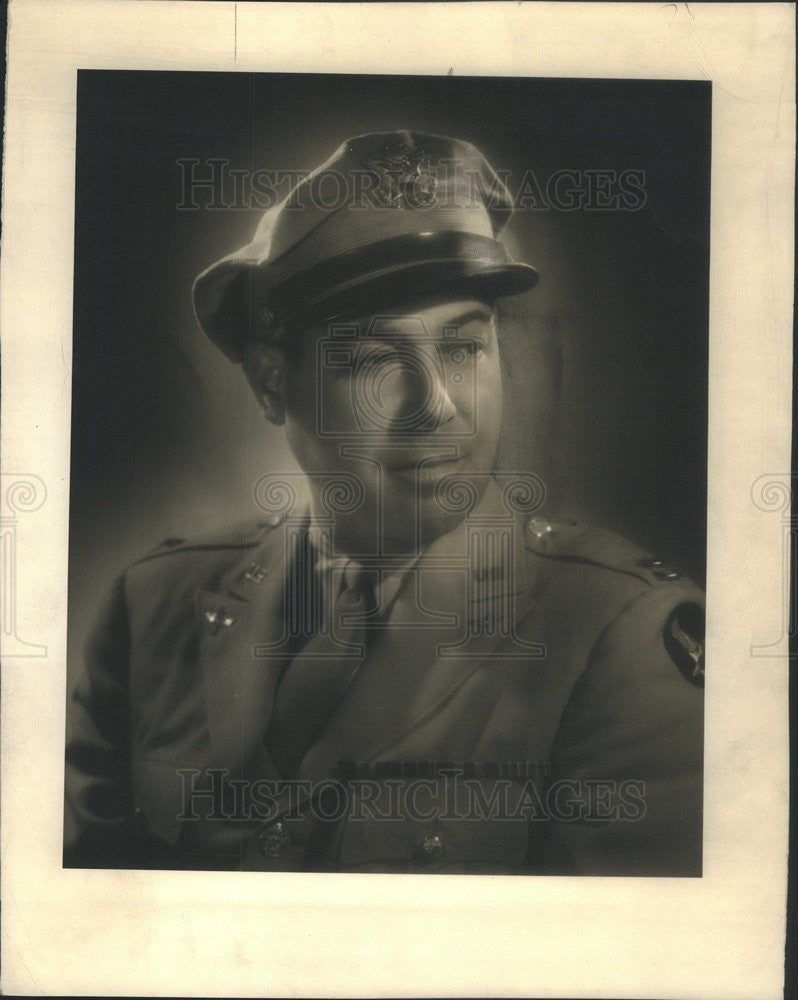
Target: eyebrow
<point x="479" y="313"/>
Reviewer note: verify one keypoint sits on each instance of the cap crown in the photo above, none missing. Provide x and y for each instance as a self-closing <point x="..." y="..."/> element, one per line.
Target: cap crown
<point x="383" y="205"/>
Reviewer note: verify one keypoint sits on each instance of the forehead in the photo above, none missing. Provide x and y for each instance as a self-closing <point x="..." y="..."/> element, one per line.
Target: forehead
<point x="433" y="317"/>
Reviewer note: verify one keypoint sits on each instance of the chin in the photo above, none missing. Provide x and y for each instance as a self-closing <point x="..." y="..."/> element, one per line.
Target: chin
<point x="408" y="526"/>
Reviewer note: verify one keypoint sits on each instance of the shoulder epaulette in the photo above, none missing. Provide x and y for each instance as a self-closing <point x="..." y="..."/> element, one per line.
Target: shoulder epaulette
<point x="243" y="535"/>
<point x="557" y="538"/>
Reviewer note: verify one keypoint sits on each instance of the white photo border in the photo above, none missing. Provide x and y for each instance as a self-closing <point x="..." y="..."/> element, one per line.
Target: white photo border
<point x="74" y="932"/>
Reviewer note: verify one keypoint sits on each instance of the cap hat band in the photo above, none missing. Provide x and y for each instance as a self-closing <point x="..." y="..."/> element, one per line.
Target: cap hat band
<point x="453" y="252"/>
<point x="352" y="229"/>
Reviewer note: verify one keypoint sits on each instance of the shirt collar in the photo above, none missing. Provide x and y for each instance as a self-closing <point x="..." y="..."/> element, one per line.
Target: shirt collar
<point x="390" y="575"/>
<point x="330" y="565"/>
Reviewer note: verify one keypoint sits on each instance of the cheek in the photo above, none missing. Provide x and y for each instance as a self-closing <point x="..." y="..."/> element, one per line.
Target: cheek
<point x="300" y="396"/>
<point x="300" y="415"/>
<point x="487" y="397"/>
<point x="317" y="411"/>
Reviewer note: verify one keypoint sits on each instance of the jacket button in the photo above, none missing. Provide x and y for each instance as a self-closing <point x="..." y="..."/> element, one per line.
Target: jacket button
<point x="432" y="848"/>
<point x="274" y="840"/>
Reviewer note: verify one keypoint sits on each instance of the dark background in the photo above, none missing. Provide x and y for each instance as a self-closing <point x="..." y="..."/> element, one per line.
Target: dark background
<point x="165" y="438"/>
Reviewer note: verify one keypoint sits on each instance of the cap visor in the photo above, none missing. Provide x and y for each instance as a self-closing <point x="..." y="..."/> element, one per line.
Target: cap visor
<point x="400" y="285"/>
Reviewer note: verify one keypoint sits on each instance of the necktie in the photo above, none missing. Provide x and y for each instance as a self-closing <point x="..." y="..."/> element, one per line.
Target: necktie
<point x="324" y="667"/>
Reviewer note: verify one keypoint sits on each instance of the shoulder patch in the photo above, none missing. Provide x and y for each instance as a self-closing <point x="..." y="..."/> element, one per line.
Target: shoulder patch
<point x="683" y="636"/>
<point x="558" y="538"/>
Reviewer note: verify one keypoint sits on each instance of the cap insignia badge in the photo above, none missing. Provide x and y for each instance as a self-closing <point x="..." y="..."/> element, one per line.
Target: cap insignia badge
<point x="406" y="178"/>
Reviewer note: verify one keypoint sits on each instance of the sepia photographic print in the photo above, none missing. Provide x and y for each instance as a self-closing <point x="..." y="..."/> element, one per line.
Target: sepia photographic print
<point x="395" y="522"/>
<point x="388" y="474"/>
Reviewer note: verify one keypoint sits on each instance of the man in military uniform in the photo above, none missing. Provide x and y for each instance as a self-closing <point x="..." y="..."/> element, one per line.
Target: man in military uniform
<point x="417" y="672"/>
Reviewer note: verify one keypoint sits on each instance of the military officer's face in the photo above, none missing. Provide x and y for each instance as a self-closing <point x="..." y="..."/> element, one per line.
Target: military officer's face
<point x="408" y="401"/>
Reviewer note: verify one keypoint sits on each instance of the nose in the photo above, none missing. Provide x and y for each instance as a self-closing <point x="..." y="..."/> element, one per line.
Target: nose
<point x="428" y="397"/>
<point x="439" y="408"/>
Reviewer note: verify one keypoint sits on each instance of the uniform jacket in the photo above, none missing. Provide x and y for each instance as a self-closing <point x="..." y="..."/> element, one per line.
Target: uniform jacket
<point x="534" y="709"/>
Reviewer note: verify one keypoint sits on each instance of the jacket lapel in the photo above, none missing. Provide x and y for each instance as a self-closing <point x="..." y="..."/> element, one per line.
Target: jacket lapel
<point x="243" y="650"/>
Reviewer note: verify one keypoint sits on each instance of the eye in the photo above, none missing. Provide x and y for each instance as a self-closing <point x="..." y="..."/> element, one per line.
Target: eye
<point x="459" y="351"/>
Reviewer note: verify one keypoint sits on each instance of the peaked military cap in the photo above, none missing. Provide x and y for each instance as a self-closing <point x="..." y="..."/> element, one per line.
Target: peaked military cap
<point x="388" y="211"/>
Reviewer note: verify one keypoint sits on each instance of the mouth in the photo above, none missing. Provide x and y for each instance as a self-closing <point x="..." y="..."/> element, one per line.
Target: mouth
<point x="426" y="471"/>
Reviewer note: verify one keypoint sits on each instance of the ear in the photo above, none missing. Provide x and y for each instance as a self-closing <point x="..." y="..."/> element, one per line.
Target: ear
<point x="266" y="376"/>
